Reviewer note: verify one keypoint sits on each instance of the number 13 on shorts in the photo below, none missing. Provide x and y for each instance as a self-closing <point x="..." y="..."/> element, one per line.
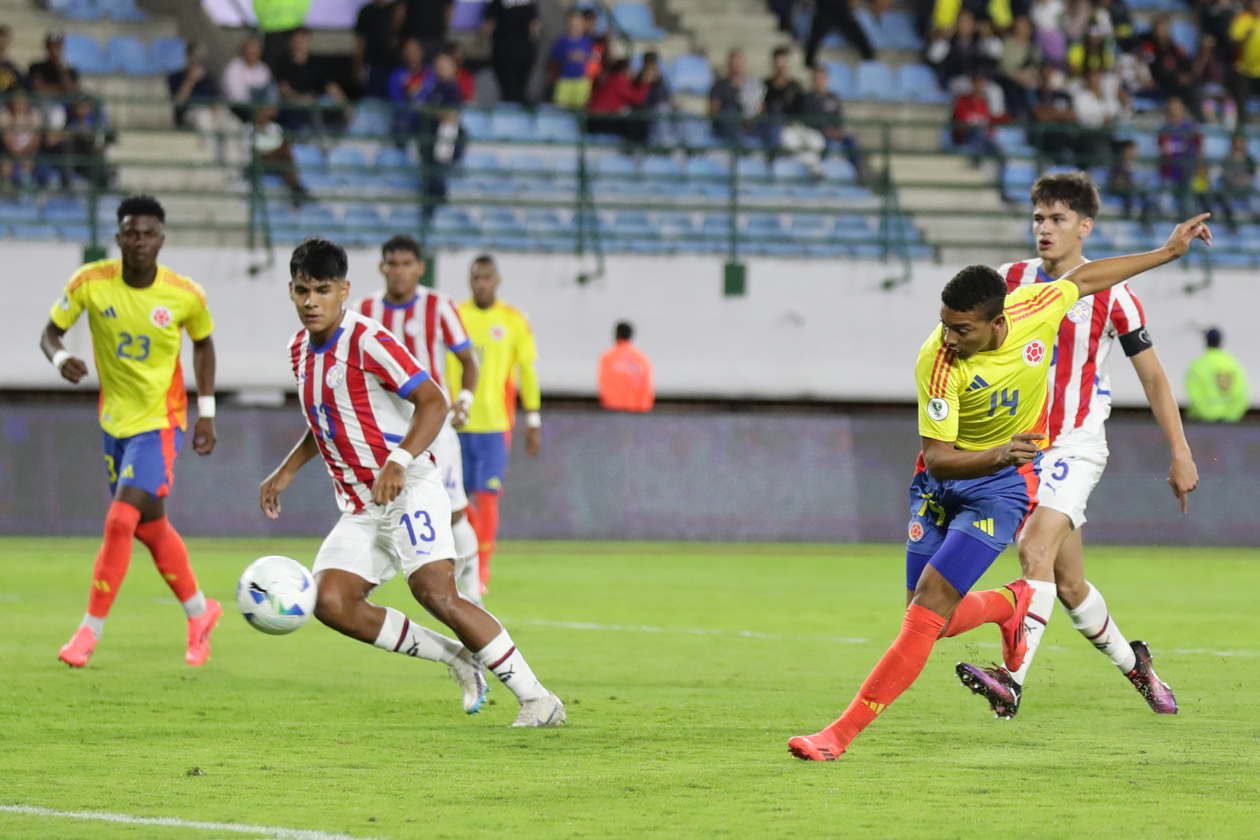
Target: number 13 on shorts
<point x="419" y="529"/>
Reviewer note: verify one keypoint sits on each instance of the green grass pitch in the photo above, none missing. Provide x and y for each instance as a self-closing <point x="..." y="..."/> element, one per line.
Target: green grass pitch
<point x="685" y="669"/>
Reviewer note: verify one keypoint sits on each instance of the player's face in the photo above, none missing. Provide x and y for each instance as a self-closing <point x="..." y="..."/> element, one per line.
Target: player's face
<point x="140" y="239"/>
<point x="484" y="280"/>
<point x="319" y="301"/>
<point x="1058" y="230"/>
<point x="402" y="272"/>
<point x="968" y="333"/>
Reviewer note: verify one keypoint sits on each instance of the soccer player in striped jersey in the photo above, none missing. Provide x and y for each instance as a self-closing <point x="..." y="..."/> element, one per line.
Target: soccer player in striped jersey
<point x="372" y="412"/>
<point x="138" y="310"/>
<point x="426" y="322"/>
<point x="983" y="397"/>
<point x="1051" y="551"/>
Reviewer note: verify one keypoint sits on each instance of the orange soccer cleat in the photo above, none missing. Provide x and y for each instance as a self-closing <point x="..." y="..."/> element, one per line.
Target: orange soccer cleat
<point x="821" y="746"/>
<point x="199" y="630"/>
<point x="78" y="650"/>
<point x="1014" y="645"/>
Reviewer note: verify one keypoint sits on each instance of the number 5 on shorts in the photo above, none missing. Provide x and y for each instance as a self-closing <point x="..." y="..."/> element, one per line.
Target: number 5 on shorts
<point x="422" y="520"/>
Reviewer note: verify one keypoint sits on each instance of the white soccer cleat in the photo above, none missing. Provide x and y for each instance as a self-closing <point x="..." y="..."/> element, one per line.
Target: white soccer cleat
<point x="471" y="676"/>
<point x="541" y="711"/>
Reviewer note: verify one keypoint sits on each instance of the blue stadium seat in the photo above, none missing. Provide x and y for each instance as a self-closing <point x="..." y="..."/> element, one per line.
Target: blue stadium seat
<point x="128" y="54"/>
<point x="1216" y="146"/>
<point x="875" y="81"/>
<point x="19" y="212"/>
<point x="829" y="250"/>
<point x="752" y="167"/>
<point x="616" y="168"/>
<point x="363" y="219"/>
<point x="169" y="54"/>
<point x="556" y="128"/>
<point x="453" y="220"/>
<point x="812" y="226"/>
<point x="632" y="223"/>
<point x="391" y="157"/>
<point x="636" y="20"/>
<point x="691" y="74"/>
<point x="501" y="221"/>
<point x="765" y="226"/>
<point x="65" y="209"/>
<point x="676" y="226"/>
<point x="74" y="233"/>
<point x="405" y="218"/>
<point x="1012" y="140"/>
<point x="1186" y="35"/>
<point x="346" y="162"/>
<point x="85" y="54"/>
<point x="899" y="32"/>
<point x="662" y="167"/>
<point x="696" y="133"/>
<point x="511" y="125"/>
<point x="318" y="219"/>
<point x="308" y="157"/>
<point x="839" y="78"/>
<point x="527" y="165"/>
<point x="918" y="82"/>
<point x="121" y="10"/>
<point x="369" y="120"/>
<point x="791" y="170"/>
<point x="476" y="125"/>
<point x="716" y="225"/>
<point x="78" y="9"/>
<point x="839" y="169"/>
<point x="467" y="15"/>
<point x="547" y="223"/>
<point x="34" y="232"/>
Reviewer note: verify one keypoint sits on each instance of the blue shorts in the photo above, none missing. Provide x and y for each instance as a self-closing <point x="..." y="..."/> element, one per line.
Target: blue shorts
<point x="989" y="510"/>
<point x="146" y="460"/>
<point x="485" y="461"/>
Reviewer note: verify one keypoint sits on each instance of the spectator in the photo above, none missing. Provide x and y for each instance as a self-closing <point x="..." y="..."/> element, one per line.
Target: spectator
<point x="1076" y="20"/>
<point x="1096" y="52"/>
<point x="782" y="9"/>
<point x="613" y="96"/>
<point x="1217" y="384"/>
<point x="278" y="20"/>
<point x="466" y="80"/>
<point x="1215" y="17"/>
<point x="1054" y="124"/>
<point x="1116" y="20"/>
<point x="1236" y="183"/>
<point x="22" y="139"/>
<point x="1244" y="37"/>
<point x="1016" y="71"/>
<point x="1124" y="183"/>
<point x="659" y="97"/>
<point x="973" y="126"/>
<point x="1208" y="72"/>
<point x="782" y="98"/>
<point x="195" y="83"/>
<point x="428" y="21"/>
<point x="1048" y="21"/>
<point x="245" y="78"/>
<point x="1179" y="151"/>
<point x="302" y="84"/>
<point x="1170" y="66"/>
<point x="376" y="46"/>
<point x="836" y="14"/>
<point x="962" y="52"/>
<point x="53" y="76"/>
<point x="407" y="88"/>
<point x="1096" y="107"/>
<point x="822" y="110"/>
<point x="11" y="77"/>
<point x="733" y="99"/>
<point x="1135" y="76"/>
<point x="625" y="375"/>
<point x="567" y="65"/>
<point x="274" y="151"/>
<point x="512" y="26"/>
<point x="599" y="39"/>
<point x="441" y="137"/>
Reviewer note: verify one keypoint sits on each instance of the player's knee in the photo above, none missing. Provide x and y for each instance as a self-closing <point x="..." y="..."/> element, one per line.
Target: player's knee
<point x="1036" y="559"/>
<point x="333" y="608"/>
<point x="1072" y="590"/>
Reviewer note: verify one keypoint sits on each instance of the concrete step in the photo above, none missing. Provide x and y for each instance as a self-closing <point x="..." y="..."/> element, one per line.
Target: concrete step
<point x="938" y="170"/>
<point x="133" y="101"/>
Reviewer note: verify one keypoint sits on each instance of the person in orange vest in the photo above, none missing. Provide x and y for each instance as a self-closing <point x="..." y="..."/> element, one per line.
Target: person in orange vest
<point x="625" y="375"/>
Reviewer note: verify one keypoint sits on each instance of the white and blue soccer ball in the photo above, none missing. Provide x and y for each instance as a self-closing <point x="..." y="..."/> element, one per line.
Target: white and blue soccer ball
<point x="276" y="594"/>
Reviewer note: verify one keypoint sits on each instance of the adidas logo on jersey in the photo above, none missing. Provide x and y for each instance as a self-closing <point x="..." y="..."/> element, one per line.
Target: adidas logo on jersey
<point x="109" y="312"/>
<point x="977" y="384"/>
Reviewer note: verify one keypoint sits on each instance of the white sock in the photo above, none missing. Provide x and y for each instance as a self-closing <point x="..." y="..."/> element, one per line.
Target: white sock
<point x="195" y="607"/>
<point x="468" y="551"/>
<point x="402" y="635"/>
<point x="97" y="624"/>
<point x="1044" y="595"/>
<point x="503" y="659"/>
<point x="1095" y="624"/>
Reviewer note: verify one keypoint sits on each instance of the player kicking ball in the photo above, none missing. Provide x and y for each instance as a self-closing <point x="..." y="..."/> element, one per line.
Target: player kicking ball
<point x="372" y="413"/>
<point x="983" y="385"/>
<point x="137" y="310"/>
<point x="1050" y="548"/>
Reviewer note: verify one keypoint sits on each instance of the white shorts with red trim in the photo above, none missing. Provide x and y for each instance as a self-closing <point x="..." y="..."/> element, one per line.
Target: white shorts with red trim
<point x="450" y="459"/>
<point x="409" y="532"/>
<point x="1069" y="475"/>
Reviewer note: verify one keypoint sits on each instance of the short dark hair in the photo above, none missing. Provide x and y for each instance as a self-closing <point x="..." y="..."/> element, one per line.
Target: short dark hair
<point x="976" y="287"/>
<point x="401" y="242"/>
<point x="486" y="259"/>
<point x="778" y="51"/>
<point x="1213" y="337"/>
<point x="1075" y="189"/>
<point x="319" y="259"/>
<point x="624" y="331"/>
<point x="141" y="205"/>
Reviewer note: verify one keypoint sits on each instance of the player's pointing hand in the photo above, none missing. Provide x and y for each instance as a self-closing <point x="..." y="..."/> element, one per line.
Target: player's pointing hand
<point x="1022" y="449"/>
<point x="1187" y="232"/>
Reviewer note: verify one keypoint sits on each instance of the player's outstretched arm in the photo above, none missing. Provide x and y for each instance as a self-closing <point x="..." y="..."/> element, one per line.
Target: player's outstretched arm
<point x="1183" y="475"/>
<point x="70" y="368"/>
<point x="1100" y="275"/>
<point x="426" y="421"/>
<point x="275" y="484"/>
<point x="946" y="463"/>
<point x="204" y="436"/>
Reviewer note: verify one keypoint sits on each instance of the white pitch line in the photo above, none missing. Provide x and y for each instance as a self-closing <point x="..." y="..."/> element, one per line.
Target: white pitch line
<point x="269" y="832"/>
<point x="753" y="634"/>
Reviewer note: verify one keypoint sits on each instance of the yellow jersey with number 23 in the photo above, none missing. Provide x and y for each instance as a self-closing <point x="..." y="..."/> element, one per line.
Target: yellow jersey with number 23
<point x="136" y="338"/>
<point x="983" y="401"/>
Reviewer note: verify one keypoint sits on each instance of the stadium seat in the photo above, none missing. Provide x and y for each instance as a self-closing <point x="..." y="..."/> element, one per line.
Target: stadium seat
<point x="696" y="133"/>
<point x="35" y="232"/>
<point x="791" y="170"/>
<point x="918" y="82"/>
<point x="556" y="128"/>
<point x="19" y="212"/>
<point x="635" y="19"/>
<point x="511" y="125"/>
<point x="765" y="226"/>
<point x="308" y="157"/>
<point x="676" y="226"/>
<point x="753" y="168"/>
<point x="875" y="81"/>
<point x="691" y="74"/>
<point x="661" y="168"/>
<point x="391" y="157"/>
<point x="65" y="209"/>
<point x="122" y="10"/>
<point x="318" y="219"/>
<point x="363" y="219"/>
<point x="631" y="225"/>
<point x="345" y="163"/>
<point x="839" y="169"/>
<point x="128" y="54"/>
<point x="899" y="32"/>
<point x="1186" y="35"/>
<point x="405" y="218"/>
<point x="541" y="222"/>
<point x="501" y="221"/>
<point x="1012" y="140"/>
<point x="467" y="15"/>
<point x="1216" y="146"/>
<point x="839" y="78"/>
<point x="814" y="226"/>
<point x="476" y="125"/>
<point x="78" y="9"/>
<point x="169" y="54"/>
<point x="85" y="54"/>
<point x="370" y="120"/>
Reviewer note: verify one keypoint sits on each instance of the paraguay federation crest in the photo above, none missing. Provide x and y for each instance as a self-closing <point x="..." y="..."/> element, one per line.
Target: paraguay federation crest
<point x="1034" y="352"/>
<point x="161" y="317"/>
<point x="1080" y="312"/>
<point x="335" y="376"/>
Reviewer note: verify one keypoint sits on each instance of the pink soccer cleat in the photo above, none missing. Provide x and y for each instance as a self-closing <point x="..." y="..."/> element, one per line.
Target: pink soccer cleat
<point x="79" y="649"/>
<point x="199" y="630"/>
<point x="821" y="746"/>
<point x="1154" y="690"/>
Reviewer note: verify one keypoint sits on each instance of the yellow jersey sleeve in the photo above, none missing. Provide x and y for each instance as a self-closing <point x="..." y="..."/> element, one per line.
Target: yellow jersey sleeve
<point x="71" y="304"/>
<point x="1041" y="303"/>
<point x="938" y="390"/>
<point x="198" y="323"/>
<point x="526" y="355"/>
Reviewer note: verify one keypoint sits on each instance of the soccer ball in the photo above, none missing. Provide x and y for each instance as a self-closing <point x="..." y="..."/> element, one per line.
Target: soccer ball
<point x="276" y="594"/>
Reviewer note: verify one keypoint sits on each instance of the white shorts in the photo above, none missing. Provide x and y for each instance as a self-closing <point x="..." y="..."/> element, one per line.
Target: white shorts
<point x="1068" y="475"/>
<point x="404" y="535"/>
<point x="450" y="459"/>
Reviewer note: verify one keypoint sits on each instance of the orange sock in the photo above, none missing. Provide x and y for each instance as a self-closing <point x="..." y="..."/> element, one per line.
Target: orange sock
<point x="114" y="557"/>
<point x="486" y="524"/>
<point x="896" y="671"/>
<point x="170" y="555"/>
<point x="976" y="608"/>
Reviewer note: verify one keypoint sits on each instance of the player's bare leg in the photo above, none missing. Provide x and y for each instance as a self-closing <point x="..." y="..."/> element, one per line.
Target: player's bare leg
<point x="433" y="584"/>
<point x="343" y="605"/>
<point x="1088" y="611"/>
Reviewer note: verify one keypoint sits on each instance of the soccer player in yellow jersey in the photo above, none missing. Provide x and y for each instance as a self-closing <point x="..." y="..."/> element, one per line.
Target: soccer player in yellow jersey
<point x="505" y="347"/>
<point x="983" y="388"/>
<point x="137" y="310"/>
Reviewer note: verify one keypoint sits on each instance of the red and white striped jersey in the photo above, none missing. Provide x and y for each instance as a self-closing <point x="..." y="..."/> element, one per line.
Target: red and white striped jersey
<point x="428" y="325"/>
<point x="353" y="389"/>
<point x="1080" y="396"/>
